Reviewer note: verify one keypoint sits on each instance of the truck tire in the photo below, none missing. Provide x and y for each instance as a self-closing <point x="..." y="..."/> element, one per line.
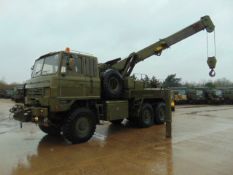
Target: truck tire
<point x="50" y="130"/>
<point x="160" y="113"/>
<point x="112" y="84"/>
<point x="146" y="116"/>
<point x="79" y="126"/>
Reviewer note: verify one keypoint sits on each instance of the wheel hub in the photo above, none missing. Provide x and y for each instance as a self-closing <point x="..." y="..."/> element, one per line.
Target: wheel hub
<point x="113" y="84"/>
<point x="147" y="116"/>
<point x="82" y="126"/>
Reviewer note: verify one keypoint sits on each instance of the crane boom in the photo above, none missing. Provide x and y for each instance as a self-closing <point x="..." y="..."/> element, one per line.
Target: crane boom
<point x="126" y="65"/>
<point x="156" y="48"/>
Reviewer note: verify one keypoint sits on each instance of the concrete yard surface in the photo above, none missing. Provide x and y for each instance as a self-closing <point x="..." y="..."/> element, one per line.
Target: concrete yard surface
<point x="202" y="144"/>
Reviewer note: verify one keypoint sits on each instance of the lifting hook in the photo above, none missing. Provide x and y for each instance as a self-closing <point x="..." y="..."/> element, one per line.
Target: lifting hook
<point x="211" y="61"/>
<point x="212" y="73"/>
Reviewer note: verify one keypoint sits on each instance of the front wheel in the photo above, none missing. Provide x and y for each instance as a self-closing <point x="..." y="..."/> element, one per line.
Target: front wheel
<point x="80" y="125"/>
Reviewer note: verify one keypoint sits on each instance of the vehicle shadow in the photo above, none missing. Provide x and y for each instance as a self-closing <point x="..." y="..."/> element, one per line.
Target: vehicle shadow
<point x="56" y="155"/>
<point x="105" y="130"/>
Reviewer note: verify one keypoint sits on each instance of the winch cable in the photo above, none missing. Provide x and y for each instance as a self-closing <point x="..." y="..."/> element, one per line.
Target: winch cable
<point x="215" y="48"/>
<point x="211" y="60"/>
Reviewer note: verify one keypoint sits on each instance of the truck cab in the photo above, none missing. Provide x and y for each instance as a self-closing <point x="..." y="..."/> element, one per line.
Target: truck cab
<point x="59" y="78"/>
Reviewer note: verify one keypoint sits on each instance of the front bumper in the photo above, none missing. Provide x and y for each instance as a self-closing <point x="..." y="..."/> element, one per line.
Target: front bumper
<point x="29" y="114"/>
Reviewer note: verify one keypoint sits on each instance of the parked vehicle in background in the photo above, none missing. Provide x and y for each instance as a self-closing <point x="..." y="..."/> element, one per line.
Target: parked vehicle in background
<point x="214" y="96"/>
<point x="228" y="95"/>
<point x="180" y="95"/>
<point x="2" y="93"/>
<point x="196" y="96"/>
<point x="18" y="94"/>
<point x="8" y="93"/>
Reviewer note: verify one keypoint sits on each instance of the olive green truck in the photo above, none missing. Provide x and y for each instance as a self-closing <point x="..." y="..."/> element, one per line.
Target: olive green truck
<point x="69" y="93"/>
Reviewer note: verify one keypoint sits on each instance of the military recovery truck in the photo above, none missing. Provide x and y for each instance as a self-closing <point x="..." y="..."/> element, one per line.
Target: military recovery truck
<point x="69" y="92"/>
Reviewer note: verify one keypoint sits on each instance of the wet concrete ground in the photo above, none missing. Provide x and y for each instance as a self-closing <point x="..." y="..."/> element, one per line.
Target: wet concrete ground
<point x="202" y="144"/>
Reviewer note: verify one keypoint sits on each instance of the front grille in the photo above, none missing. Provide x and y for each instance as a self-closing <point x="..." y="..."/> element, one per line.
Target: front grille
<point x="35" y="92"/>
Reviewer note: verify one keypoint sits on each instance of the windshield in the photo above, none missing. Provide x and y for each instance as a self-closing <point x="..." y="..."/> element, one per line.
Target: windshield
<point x="182" y="92"/>
<point x="199" y="92"/>
<point x="218" y="93"/>
<point x="46" y="65"/>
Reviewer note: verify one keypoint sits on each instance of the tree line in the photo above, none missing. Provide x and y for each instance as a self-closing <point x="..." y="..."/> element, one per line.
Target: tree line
<point x="4" y="85"/>
<point x="172" y="81"/>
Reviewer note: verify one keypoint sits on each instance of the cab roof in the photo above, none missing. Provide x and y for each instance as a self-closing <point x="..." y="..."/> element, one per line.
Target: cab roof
<point x="72" y="53"/>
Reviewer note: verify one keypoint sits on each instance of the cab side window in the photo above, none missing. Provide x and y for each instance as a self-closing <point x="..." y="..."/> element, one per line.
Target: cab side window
<point x="75" y="64"/>
<point x="71" y="65"/>
<point x="89" y="66"/>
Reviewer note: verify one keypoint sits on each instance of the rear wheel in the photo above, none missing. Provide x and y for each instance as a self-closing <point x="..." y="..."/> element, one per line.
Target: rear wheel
<point x="146" y="117"/>
<point x="80" y="126"/>
<point x="160" y="113"/>
<point x="50" y="130"/>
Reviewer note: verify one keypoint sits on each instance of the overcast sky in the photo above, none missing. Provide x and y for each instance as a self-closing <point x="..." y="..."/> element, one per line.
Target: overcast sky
<point x="114" y="28"/>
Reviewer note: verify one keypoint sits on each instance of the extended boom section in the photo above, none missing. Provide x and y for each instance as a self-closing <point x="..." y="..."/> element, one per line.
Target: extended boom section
<point x="126" y="65"/>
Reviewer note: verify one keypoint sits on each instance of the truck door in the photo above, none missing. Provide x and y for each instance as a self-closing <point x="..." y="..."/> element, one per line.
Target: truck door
<point x="76" y="80"/>
<point x="90" y="72"/>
